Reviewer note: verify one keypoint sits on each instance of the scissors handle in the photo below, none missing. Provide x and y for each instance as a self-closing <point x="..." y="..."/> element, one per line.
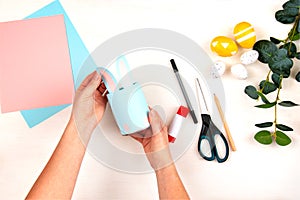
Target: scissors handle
<point x="208" y="133"/>
<point x="204" y="155"/>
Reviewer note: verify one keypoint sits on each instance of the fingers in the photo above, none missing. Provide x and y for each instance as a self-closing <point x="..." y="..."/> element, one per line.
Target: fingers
<point x="94" y="83"/>
<point x="102" y="89"/>
<point x="86" y="81"/>
<point x="155" y="121"/>
<point x="90" y="83"/>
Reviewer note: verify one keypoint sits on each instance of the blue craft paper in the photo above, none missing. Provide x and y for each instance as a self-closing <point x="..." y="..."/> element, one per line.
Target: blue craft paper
<point x="78" y="54"/>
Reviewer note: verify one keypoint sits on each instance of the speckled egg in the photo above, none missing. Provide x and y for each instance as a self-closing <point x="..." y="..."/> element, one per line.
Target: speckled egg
<point x="244" y="35"/>
<point x="218" y="69"/>
<point x="249" y="57"/>
<point x="239" y="71"/>
<point x="223" y="46"/>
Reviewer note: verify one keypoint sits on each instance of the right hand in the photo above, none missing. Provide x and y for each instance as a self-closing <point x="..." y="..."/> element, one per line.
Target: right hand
<point x="155" y="142"/>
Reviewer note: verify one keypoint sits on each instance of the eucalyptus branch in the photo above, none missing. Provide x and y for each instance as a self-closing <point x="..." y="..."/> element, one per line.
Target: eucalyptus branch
<point x="278" y="55"/>
<point x="277" y="99"/>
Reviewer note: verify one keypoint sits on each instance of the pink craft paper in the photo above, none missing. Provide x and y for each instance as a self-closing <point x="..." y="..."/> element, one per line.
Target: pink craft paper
<point x="35" y="68"/>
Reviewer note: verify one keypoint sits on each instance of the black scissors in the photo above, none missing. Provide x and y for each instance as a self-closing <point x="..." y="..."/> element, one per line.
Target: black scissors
<point x="209" y="132"/>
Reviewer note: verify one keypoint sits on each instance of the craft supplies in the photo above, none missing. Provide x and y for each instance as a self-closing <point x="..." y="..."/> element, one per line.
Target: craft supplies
<point x="231" y="142"/>
<point x="127" y="101"/>
<point x="175" y="69"/>
<point x="78" y="55"/>
<point x="176" y="123"/>
<point x="210" y="134"/>
<point x="25" y="61"/>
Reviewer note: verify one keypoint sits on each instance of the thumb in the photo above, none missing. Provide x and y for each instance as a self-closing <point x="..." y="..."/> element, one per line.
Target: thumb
<point x="93" y="84"/>
<point x="155" y="121"/>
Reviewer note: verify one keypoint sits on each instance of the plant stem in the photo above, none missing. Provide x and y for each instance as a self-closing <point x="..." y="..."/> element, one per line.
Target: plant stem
<point x="293" y="32"/>
<point x="277" y="99"/>
<point x="293" y="29"/>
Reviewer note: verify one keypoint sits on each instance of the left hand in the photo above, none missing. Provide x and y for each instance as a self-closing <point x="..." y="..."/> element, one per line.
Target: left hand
<point x="89" y="104"/>
<point x="155" y="142"/>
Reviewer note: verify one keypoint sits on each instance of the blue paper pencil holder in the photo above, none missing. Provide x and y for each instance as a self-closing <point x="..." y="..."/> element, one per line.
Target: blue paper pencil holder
<point x="127" y="102"/>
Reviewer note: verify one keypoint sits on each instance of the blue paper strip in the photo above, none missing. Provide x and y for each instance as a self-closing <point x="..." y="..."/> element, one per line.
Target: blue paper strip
<point x="78" y="54"/>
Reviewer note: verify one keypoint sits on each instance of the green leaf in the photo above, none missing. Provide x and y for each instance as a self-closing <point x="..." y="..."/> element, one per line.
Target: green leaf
<point x="292" y="11"/>
<point x="263" y="137"/>
<point x="291" y="8"/>
<point x="281" y="64"/>
<point x="267" y="86"/>
<point x="266" y="105"/>
<point x="284" y="17"/>
<point x="276" y="79"/>
<point x="266" y="50"/>
<point x="290" y="48"/>
<point x="264" y="125"/>
<point x="295" y="2"/>
<point x="289" y="4"/>
<point x="275" y="40"/>
<point x="283" y="127"/>
<point x="263" y="97"/>
<point x="295" y="36"/>
<point x="251" y="92"/>
<point x="298" y="76"/>
<point x="282" y="139"/>
<point x="288" y="104"/>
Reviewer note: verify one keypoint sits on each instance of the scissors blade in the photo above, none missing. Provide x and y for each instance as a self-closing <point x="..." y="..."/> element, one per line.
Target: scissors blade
<point x="201" y="101"/>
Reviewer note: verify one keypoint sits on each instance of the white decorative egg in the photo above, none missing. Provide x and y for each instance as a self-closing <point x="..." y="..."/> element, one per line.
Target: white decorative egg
<point x="239" y="71"/>
<point x="218" y="69"/>
<point x="249" y="57"/>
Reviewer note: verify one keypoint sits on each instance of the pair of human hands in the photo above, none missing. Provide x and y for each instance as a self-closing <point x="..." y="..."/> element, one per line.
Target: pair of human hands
<point x="88" y="109"/>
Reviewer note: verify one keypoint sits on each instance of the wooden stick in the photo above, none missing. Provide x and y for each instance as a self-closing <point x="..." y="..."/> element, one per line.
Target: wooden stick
<point x="231" y="142"/>
<point x="104" y="93"/>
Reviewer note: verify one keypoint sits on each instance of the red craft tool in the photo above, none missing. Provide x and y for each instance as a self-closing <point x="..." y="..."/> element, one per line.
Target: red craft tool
<point x="177" y="122"/>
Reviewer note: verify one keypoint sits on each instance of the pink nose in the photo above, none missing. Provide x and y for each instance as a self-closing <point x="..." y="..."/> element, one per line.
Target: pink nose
<point x="126" y="127"/>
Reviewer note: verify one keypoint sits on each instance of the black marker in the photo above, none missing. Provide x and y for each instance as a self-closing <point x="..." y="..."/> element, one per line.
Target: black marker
<point x="184" y="91"/>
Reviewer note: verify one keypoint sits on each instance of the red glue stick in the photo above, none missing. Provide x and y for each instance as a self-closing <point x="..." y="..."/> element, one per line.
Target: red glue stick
<point x="177" y="122"/>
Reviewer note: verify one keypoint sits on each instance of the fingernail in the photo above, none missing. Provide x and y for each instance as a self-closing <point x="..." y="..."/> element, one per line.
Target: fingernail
<point x="96" y="77"/>
<point x="152" y="114"/>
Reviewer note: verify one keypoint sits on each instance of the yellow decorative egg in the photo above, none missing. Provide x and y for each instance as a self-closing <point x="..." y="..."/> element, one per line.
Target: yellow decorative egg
<point x="244" y="34"/>
<point x="223" y="46"/>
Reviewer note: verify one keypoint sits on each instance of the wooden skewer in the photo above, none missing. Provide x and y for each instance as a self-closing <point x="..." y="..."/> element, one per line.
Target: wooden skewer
<point x="231" y="142"/>
<point x="104" y="93"/>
